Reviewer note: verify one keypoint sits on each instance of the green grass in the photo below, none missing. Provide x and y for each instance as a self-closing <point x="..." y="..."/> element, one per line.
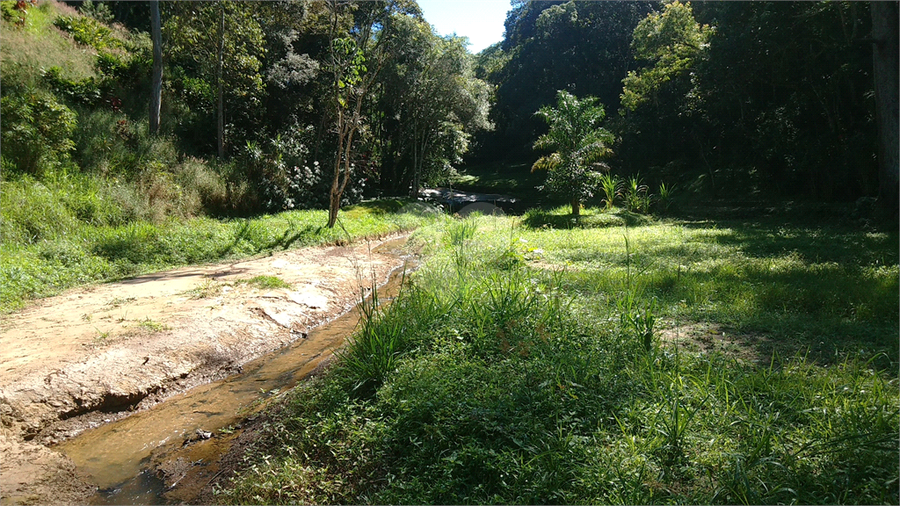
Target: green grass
<point x="266" y="282"/>
<point x="505" y="373"/>
<point x="39" y="45"/>
<point x="47" y="249"/>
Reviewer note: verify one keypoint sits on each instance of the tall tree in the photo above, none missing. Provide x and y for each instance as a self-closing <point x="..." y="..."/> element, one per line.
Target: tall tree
<point x="156" y="86"/>
<point x="431" y="103"/>
<point x="660" y="104"/>
<point x="217" y="50"/>
<point x="885" y="36"/>
<point x="582" y="47"/>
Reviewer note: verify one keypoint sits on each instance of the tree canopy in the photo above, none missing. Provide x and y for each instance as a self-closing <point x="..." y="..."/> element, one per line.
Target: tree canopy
<point x="724" y="99"/>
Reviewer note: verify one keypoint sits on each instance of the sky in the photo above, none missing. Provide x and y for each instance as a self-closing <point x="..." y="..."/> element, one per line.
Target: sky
<point x="479" y="20"/>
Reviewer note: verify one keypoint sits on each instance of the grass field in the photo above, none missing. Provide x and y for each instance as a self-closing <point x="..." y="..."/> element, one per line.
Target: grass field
<point x="615" y="359"/>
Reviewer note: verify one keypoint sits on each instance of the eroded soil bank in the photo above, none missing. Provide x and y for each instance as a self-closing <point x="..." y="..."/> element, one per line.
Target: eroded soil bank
<point x="98" y="354"/>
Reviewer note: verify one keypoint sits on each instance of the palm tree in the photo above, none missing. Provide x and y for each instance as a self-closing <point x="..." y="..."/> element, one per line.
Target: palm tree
<point x="578" y="143"/>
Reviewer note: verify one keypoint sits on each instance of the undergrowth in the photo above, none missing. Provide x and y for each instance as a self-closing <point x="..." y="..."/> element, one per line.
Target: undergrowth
<point x="519" y="382"/>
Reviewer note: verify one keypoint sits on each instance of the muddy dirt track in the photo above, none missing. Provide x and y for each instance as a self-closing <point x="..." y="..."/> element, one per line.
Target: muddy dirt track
<point x="97" y="354"/>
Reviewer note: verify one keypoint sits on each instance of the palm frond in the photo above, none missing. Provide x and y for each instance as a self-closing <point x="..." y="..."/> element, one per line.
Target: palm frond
<point x="548" y="162"/>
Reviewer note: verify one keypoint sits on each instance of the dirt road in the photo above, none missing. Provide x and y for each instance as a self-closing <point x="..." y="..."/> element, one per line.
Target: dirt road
<point x="96" y="354"/>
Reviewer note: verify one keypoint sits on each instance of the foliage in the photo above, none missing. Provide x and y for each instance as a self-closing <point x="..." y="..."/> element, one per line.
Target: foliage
<point x="85" y="91"/>
<point x="97" y="10"/>
<point x="287" y="178"/>
<point x="635" y="194"/>
<point x="609" y="184"/>
<point x="88" y="31"/>
<point x="436" y="107"/>
<point x="581" y="47"/>
<point x="37" y="131"/>
<point x="672" y="40"/>
<point x="12" y="13"/>
<point x="579" y="143"/>
<point x="192" y="34"/>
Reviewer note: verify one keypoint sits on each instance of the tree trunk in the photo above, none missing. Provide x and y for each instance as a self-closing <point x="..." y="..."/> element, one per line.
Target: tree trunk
<point x="334" y="196"/>
<point x="414" y="190"/>
<point x="156" y="91"/>
<point x="220" y="77"/>
<point x="576" y="207"/>
<point x="885" y="55"/>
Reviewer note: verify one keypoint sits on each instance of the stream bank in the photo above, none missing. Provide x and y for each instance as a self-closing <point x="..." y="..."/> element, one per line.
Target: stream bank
<point x="95" y="355"/>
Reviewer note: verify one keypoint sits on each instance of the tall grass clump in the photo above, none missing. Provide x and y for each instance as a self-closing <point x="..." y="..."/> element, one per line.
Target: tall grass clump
<point x="487" y="382"/>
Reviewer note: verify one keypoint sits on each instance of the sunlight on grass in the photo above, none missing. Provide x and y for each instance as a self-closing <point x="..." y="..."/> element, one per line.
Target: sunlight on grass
<point x="510" y="377"/>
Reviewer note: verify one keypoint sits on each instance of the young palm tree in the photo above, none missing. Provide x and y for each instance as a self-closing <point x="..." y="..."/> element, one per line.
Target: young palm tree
<point x="578" y="143"/>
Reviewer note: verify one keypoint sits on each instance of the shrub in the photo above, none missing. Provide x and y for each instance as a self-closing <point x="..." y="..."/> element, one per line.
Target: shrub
<point x="36" y="133"/>
<point x="31" y="212"/>
<point x="202" y="187"/>
<point x="286" y="176"/>
<point x="88" y="31"/>
<point x="609" y="184"/>
<point x="86" y="91"/>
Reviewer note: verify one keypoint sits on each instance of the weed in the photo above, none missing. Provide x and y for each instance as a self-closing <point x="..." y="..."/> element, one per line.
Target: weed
<point x="266" y="282"/>
<point x="207" y="289"/>
<point x="152" y="326"/>
<point x="609" y="184"/>
<point x="119" y="301"/>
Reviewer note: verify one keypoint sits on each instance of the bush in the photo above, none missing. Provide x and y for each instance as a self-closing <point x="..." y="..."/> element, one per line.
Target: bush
<point x="202" y="187"/>
<point x="31" y="212"/>
<point x="36" y="132"/>
<point x="88" y="31"/>
<point x="85" y="91"/>
<point x="286" y="176"/>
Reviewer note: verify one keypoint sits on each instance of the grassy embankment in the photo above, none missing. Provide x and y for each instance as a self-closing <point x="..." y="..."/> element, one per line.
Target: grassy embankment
<point x="516" y="368"/>
<point x="55" y="250"/>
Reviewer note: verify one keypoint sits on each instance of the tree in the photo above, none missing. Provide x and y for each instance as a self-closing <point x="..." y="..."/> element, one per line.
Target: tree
<point x="156" y="90"/>
<point x="217" y="49"/>
<point x="671" y="40"/>
<point x="431" y="103"/>
<point x="355" y="58"/>
<point x="660" y="103"/>
<point x="579" y="143"/>
<point x="885" y="35"/>
<point x="581" y="47"/>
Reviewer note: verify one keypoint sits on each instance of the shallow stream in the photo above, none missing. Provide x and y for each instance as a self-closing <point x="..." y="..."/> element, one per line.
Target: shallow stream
<point x="118" y="456"/>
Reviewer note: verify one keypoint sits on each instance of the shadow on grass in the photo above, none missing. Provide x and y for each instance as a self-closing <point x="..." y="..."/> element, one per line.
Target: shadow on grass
<point x="541" y="218"/>
<point x="831" y="292"/>
<point x="813" y="243"/>
<point x="379" y="207"/>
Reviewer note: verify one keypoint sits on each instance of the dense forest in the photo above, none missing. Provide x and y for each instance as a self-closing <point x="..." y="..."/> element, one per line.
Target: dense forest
<point x="267" y="106"/>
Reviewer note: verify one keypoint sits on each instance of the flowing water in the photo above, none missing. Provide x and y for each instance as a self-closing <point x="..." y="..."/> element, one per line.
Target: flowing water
<point x="117" y="455"/>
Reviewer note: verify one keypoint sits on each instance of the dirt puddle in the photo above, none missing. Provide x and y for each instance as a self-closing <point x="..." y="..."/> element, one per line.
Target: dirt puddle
<point x="120" y="457"/>
<point x="169" y="452"/>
